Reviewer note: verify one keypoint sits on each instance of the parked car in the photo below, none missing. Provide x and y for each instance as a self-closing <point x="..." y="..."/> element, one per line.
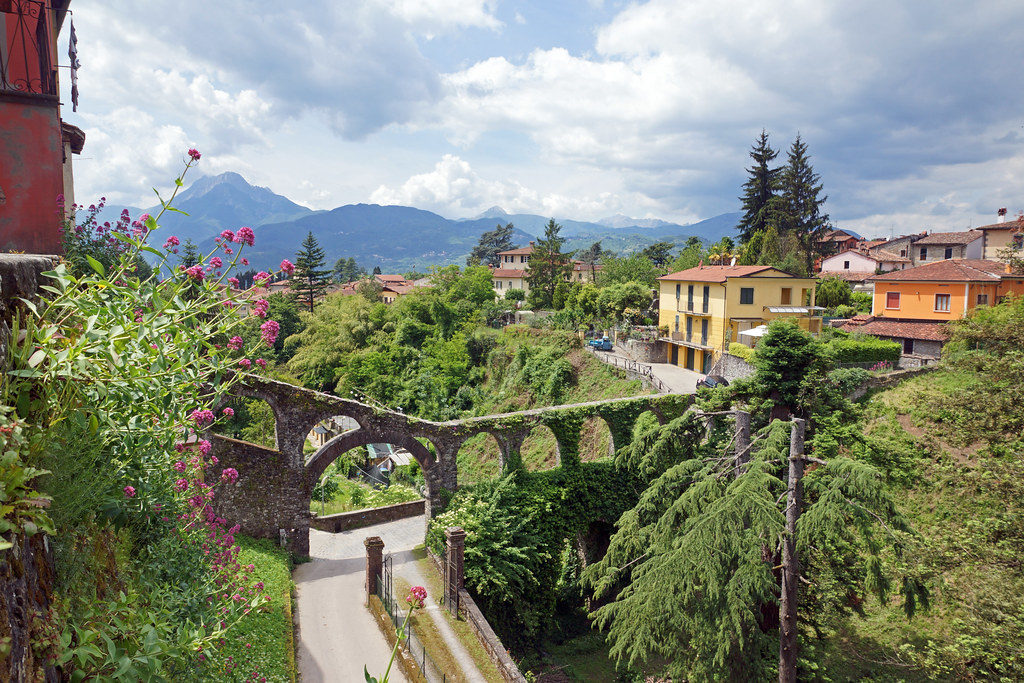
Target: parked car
<point x="712" y="381"/>
<point x="603" y="344"/>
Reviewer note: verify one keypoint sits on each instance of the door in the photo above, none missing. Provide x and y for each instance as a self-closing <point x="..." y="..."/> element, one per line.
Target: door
<point x="704" y="332"/>
<point x="706" y="368"/>
<point x="689" y="359"/>
<point x="908" y="346"/>
<point x="675" y="355"/>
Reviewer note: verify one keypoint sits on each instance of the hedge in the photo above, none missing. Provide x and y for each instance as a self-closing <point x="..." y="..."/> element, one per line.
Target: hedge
<point x="864" y="350"/>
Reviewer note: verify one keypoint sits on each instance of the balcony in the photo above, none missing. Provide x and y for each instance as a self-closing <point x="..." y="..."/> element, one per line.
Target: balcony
<point x="25" y="68"/>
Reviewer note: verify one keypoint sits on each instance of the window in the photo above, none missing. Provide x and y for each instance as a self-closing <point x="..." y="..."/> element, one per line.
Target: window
<point x="510" y="284"/>
<point x="892" y="299"/>
<point x="677" y="320"/>
<point x="499" y="284"/>
<point x="1018" y="241"/>
<point x="689" y="297"/>
<point x="948" y="253"/>
<point x="903" y="253"/>
<point x="746" y="295"/>
<point x="983" y="299"/>
<point x="678" y="288"/>
<point x="689" y="328"/>
<point x="704" y="332"/>
<point x="942" y="303"/>
<point x="707" y="297"/>
<point x="924" y="254"/>
<point x="787" y="295"/>
<point x="846" y="265"/>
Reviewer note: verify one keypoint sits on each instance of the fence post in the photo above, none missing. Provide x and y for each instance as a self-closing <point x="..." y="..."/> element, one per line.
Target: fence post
<point x="374" y="564"/>
<point x="455" y="542"/>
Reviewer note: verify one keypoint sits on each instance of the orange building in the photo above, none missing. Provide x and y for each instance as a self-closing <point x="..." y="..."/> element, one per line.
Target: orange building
<point x="35" y="144"/>
<point x="912" y="306"/>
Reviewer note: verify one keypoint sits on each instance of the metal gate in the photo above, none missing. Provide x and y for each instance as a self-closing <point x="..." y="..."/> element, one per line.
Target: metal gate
<point x="451" y="583"/>
<point x="431" y="672"/>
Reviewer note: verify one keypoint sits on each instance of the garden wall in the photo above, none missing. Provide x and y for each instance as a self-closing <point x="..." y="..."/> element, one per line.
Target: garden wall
<point x="889" y="379"/>
<point x="731" y="367"/>
<point x="343" y="521"/>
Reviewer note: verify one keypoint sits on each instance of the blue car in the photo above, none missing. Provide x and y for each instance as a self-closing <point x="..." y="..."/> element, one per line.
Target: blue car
<point x="604" y="344"/>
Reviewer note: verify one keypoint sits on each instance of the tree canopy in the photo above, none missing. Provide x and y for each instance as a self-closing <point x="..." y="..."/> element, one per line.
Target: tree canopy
<point x="548" y="267"/>
<point x="485" y="253"/>
<point x="309" y="281"/>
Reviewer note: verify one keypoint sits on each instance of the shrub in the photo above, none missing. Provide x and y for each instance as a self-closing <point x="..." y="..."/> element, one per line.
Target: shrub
<point x="863" y="350"/>
<point x="741" y="351"/>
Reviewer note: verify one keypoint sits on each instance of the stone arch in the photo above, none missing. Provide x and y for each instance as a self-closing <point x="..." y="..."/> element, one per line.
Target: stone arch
<point x="253" y="414"/>
<point x="644" y="419"/>
<point x="592" y="542"/>
<point x="596" y="439"/>
<point x="540" y="449"/>
<point x="339" y="445"/>
<point x="481" y="454"/>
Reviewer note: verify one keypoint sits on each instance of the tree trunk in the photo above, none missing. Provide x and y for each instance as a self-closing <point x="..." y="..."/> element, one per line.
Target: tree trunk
<point x="788" y="601"/>
<point x="742" y="447"/>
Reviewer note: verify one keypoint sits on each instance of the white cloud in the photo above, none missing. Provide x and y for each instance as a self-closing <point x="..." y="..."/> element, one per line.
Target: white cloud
<point x="427" y="14"/>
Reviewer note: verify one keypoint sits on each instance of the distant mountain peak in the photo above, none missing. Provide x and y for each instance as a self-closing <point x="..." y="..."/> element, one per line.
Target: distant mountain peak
<point x="204" y="184"/>
<point x="622" y="221"/>
<point x="494" y="212"/>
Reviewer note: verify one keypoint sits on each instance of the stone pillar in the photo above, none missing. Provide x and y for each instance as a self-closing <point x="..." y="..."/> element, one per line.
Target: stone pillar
<point x="455" y="561"/>
<point x="511" y="444"/>
<point x="442" y="477"/>
<point x="374" y="564"/>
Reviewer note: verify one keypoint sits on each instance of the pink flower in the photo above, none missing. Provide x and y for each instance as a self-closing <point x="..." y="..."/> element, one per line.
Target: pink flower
<point x="194" y="154"/>
<point x="129" y="492"/>
<point x="235" y="343"/>
<point x="179" y="466"/>
<point x="260" y="307"/>
<point x="262" y="363"/>
<point x="204" y="445"/>
<point x="245" y="261"/>
<point x="233" y="281"/>
<point x="245" y="235"/>
<point x="228" y="250"/>
<point x="216" y="262"/>
<point x="417" y="596"/>
<point x="229" y="412"/>
<point x="195" y="272"/>
<point x="262" y="277"/>
<point x="245" y="363"/>
<point x="287" y="266"/>
<point x="201" y="417"/>
<point x="269" y="331"/>
<point x="229" y="475"/>
<point x="181" y="484"/>
<point x="172" y="241"/>
<point x="227" y="236"/>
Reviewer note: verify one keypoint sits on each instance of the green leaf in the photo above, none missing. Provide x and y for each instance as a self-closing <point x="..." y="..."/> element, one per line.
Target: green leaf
<point x="367" y="676"/>
<point x="36" y="358"/>
<point x="171" y="208"/>
<point x="4" y="545"/>
<point x="96" y="265"/>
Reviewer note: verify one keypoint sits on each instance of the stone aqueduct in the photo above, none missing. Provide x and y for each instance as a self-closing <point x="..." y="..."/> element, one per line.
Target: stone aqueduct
<point x="272" y="495"/>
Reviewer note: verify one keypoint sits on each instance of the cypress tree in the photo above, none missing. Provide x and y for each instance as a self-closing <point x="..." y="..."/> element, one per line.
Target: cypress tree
<point x="803" y="199"/>
<point x="548" y="266"/>
<point x="760" y="192"/>
<point x="309" y="282"/>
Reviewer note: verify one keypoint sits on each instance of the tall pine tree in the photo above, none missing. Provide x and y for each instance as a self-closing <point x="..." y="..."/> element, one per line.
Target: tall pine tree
<point x="485" y="253"/>
<point x="310" y="280"/>
<point x="761" y="202"/>
<point x="801" y="191"/>
<point x="548" y="266"/>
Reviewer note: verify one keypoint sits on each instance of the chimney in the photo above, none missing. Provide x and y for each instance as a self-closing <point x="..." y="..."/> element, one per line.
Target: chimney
<point x="531" y="243"/>
<point x="1002" y="214"/>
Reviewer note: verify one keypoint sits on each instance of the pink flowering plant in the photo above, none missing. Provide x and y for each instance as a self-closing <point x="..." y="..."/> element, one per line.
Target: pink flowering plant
<point x="133" y="362"/>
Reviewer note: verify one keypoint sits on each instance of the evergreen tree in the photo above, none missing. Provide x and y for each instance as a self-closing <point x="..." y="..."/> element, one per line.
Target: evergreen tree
<point x="347" y="270"/>
<point x="801" y="191"/>
<point x="548" y="266"/>
<point x="591" y="256"/>
<point x="485" y="253"/>
<point x="376" y="270"/>
<point x="309" y="282"/>
<point x="189" y="254"/>
<point x="771" y="249"/>
<point x="659" y="253"/>
<point x="761" y="202"/>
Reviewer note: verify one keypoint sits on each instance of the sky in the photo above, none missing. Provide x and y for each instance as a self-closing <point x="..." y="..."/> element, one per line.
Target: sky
<point x="913" y="110"/>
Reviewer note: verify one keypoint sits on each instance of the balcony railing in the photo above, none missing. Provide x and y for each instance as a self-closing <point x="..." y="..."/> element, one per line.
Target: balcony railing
<point x="25" y="67"/>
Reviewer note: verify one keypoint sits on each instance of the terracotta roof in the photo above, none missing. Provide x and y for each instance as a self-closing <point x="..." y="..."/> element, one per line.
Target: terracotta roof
<point x="871" y="244"/>
<point x="516" y="252"/>
<point x="949" y="270"/>
<point x="580" y="265"/>
<point x="1007" y="225"/>
<point x="715" y="273"/>
<point x="397" y="279"/>
<point x="507" y="272"/>
<point x="397" y="288"/>
<point x="883" y="256"/>
<point x="949" y="238"/>
<point x="900" y="329"/>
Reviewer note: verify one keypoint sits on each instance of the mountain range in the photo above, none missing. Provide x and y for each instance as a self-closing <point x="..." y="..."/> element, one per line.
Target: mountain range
<point x="395" y="238"/>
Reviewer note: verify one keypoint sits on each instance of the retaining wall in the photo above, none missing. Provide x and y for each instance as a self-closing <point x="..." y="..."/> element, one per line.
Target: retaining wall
<point x="889" y="379"/>
<point x="732" y="367"/>
<point x="344" y="521"/>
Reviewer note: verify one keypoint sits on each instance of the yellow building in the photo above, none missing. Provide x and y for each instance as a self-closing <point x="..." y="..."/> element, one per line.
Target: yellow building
<point x="707" y="307"/>
<point x="1002" y="236"/>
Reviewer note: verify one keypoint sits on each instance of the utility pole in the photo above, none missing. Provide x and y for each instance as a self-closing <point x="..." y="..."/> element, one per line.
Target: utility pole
<point x="790" y="562"/>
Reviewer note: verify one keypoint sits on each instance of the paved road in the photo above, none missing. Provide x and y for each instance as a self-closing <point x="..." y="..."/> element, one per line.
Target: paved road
<point x="678" y="379"/>
<point x="337" y="635"/>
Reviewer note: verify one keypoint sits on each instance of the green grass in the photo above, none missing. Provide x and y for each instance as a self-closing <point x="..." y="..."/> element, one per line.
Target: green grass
<point x="270" y="633"/>
<point x="965" y="498"/>
<point x="353" y="495"/>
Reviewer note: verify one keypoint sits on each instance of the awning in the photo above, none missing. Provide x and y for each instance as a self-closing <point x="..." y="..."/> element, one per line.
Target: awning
<point x="758" y="331"/>
<point x="793" y="309"/>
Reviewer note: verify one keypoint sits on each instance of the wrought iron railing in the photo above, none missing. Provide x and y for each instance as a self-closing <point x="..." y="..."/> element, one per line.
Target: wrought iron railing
<point x="411" y="643"/>
<point x="25" y="66"/>
<point x="635" y="369"/>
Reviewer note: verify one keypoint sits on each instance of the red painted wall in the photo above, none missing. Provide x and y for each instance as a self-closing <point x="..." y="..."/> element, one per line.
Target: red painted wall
<point x="31" y="177"/>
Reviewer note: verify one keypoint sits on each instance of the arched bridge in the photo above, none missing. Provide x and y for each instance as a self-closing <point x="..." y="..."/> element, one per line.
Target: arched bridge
<point x="272" y="495"/>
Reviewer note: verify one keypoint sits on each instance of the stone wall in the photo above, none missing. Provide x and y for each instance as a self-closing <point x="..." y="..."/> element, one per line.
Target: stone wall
<point x="890" y="379"/>
<point x="26" y="569"/>
<point x="643" y="351"/>
<point x="360" y="518"/>
<point x="270" y="498"/>
<point x="731" y="367"/>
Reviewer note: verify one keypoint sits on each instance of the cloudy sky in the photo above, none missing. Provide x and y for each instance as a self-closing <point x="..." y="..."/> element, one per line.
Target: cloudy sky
<point x="914" y="111"/>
